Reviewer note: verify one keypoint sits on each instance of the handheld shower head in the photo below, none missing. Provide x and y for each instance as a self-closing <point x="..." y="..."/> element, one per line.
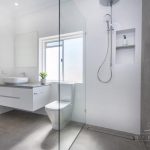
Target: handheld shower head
<point x="108" y="21"/>
<point x="108" y="18"/>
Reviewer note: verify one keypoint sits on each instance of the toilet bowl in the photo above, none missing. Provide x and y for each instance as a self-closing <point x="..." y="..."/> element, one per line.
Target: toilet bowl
<point x="65" y="108"/>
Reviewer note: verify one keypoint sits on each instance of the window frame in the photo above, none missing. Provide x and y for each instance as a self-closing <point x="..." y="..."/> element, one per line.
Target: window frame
<point x="50" y="39"/>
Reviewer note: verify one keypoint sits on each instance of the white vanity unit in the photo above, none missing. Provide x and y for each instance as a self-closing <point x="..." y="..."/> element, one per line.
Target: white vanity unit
<point x="25" y="97"/>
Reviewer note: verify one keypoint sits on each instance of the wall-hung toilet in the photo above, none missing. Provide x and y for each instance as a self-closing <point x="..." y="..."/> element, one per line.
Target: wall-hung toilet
<point x="64" y="105"/>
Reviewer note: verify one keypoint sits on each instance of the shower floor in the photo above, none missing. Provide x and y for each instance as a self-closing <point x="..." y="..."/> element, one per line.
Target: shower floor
<point x="27" y="131"/>
<point x="93" y="140"/>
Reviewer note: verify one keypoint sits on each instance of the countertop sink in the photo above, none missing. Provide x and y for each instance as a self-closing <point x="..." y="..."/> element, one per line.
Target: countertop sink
<point x="15" y="80"/>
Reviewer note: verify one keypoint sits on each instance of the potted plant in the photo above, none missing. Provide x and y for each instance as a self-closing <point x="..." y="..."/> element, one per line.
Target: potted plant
<point x="43" y="76"/>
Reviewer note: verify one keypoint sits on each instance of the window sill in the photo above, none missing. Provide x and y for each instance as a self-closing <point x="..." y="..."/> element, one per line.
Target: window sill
<point x="63" y="82"/>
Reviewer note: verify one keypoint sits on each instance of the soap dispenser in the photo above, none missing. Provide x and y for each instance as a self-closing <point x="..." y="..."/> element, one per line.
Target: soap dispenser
<point x="125" y="42"/>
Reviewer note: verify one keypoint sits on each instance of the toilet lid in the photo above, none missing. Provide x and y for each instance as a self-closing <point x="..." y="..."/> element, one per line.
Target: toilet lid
<point x="57" y="105"/>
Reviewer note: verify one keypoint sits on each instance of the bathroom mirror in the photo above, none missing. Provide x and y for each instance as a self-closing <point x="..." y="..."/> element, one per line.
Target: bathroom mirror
<point x="26" y="49"/>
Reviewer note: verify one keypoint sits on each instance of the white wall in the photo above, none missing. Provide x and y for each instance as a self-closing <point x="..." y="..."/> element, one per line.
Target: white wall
<point x="6" y="41"/>
<point x="45" y="23"/>
<point x="115" y="105"/>
<point x="6" y="47"/>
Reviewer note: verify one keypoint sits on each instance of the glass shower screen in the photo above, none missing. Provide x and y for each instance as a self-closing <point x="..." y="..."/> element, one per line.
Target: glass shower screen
<point x="71" y="74"/>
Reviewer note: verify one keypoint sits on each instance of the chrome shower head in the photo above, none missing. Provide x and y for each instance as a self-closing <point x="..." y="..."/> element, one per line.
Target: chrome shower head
<point x="108" y="20"/>
<point x="108" y="2"/>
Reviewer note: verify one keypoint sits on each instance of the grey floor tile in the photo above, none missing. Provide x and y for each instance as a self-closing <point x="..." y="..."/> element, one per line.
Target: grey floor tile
<point x="93" y="140"/>
<point x="27" y="131"/>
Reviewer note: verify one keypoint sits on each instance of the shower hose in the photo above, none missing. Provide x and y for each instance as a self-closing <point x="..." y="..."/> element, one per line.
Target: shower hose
<point x="109" y="33"/>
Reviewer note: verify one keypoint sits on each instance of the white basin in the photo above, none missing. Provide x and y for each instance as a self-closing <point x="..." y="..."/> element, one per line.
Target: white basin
<point x="15" y="80"/>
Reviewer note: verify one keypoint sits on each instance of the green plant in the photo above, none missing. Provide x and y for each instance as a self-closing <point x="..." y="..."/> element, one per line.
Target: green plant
<point x="43" y="75"/>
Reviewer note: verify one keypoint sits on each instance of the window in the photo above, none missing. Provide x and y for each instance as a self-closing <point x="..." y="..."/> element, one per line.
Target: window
<point x="52" y="63"/>
<point x="71" y="57"/>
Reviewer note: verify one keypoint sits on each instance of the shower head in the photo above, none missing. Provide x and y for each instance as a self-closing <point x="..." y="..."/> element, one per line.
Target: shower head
<point x="108" y="2"/>
<point x="108" y="20"/>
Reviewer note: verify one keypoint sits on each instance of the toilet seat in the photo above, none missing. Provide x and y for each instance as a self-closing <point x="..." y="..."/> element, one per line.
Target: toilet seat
<point x="58" y="105"/>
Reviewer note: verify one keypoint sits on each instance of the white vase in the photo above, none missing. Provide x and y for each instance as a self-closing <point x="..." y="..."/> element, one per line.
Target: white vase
<point x="43" y="81"/>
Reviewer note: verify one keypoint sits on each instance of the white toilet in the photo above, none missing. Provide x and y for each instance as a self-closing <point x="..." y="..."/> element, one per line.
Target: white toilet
<point x="64" y="106"/>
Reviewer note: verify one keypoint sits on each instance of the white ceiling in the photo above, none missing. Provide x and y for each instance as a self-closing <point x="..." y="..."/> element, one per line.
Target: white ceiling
<point x="27" y="5"/>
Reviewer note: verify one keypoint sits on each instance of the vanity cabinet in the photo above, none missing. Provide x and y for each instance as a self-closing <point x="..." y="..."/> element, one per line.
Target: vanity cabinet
<point x="29" y="99"/>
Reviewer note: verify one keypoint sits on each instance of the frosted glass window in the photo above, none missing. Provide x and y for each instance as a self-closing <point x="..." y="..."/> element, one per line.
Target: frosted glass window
<point x="52" y="63"/>
<point x="73" y="60"/>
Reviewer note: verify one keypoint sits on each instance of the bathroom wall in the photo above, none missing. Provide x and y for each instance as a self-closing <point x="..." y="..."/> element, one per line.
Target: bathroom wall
<point x="115" y="105"/>
<point x="45" y="23"/>
<point x="145" y="72"/>
<point x="6" y="47"/>
<point x="145" y="95"/>
<point x="7" y="42"/>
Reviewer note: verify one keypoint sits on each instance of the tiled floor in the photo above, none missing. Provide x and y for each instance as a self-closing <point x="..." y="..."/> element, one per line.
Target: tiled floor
<point x="93" y="140"/>
<point x="26" y="131"/>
